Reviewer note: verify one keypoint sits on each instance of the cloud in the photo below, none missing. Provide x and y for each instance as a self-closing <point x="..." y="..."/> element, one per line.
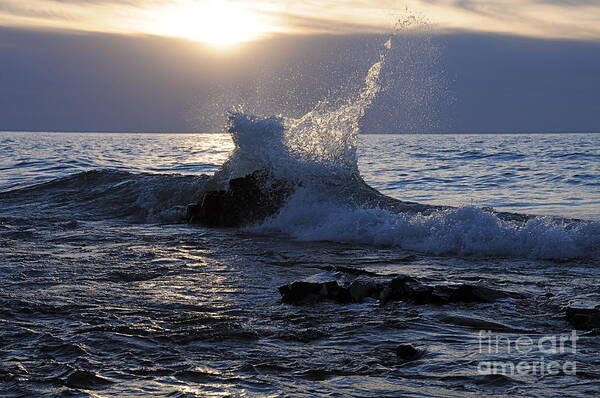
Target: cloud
<point x="22" y="9"/>
<point x="103" y="82"/>
<point x="567" y="19"/>
<point x="570" y="3"/>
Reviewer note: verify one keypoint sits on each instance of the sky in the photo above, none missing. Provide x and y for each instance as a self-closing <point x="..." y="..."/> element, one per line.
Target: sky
<point x="573" y="19"/>
<point x="177" y="65"/>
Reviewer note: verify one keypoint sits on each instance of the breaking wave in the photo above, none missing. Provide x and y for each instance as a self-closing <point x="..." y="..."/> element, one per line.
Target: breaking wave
<point x="318" y="153"/>
<point x="108" y="194"/>
<point x="462" y="231"/>
<point x="333" y="203"/>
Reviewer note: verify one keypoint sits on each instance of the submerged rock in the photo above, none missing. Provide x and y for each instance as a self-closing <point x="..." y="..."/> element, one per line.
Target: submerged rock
<point x="400" y="288"/>
<point x="407" y="352"/>
<point x="314" y="289"/>
<point x="407" y="288"/>
<point x="583" y="316"/>
<point x="248" y="200"/>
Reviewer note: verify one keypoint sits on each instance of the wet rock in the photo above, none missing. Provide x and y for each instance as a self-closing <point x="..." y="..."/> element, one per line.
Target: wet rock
<point x="583" y="316"/>
<point x="406" y="288"/>
<point x="468" y="294"/>
<point x="407" y="352"/>
<point x="396" y="289"/>
<point x="360" y="289"/>
<point x="400" y="288"/>
<point x="418" y="292"/>
<point x="249" y="199"/>
<point x="485" y="294"/>
<point x="302" y="292"/>
<point x="313" y="290"/>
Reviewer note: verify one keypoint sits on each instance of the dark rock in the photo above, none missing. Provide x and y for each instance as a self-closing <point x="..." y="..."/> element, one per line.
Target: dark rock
<point x="583" y="317"/>
<point x="407" y="352"/>
<point x="400" y="288"/>
<point x="249" y="199"/>
<point x="313" y="290"/>
<point x="466" y="293"/>
<point x="360" y="289"/>
<point x="212" y="210"/>
<point x="396" y="289"/>
<point x="406" y="288"/>
<point x="300" y="293"/>
<point x="418" y="292"/>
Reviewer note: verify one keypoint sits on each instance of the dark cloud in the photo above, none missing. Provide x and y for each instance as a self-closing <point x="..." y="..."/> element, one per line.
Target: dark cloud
<point x="92" y="82"/>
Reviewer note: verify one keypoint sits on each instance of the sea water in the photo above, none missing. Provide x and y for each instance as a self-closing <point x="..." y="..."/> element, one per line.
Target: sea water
<point x="106" y="292"/>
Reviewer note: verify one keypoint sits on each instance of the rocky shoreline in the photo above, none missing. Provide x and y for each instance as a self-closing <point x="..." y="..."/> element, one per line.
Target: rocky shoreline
<point x="344" y="285"/>
<point x="258" y="195"/>
<point x="247" y="200"/>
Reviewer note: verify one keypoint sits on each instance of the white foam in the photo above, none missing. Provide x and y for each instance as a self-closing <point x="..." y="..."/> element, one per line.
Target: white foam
<point x="318" y="151"/>
<point x="458" y="231"/>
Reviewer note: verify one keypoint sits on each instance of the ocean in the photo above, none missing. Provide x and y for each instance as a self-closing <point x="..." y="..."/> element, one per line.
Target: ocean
<point x="390" y="265"/>
<point x="107" y="291"/>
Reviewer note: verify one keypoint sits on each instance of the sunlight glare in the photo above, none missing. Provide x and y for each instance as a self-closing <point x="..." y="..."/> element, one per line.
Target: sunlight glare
<point x="218" y="23"/>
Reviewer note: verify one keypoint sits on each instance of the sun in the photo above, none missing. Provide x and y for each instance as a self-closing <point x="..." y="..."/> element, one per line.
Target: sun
<point x="218" y="23"/>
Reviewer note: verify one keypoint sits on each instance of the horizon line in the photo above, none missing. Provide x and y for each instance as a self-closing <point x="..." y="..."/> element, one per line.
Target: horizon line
<point x="362" y="133"/>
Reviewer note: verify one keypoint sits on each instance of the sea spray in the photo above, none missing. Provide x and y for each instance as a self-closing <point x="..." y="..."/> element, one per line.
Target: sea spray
<point x="332" y="203"/>
<point x="319" y="146"/>
<point x="326" y="139"/>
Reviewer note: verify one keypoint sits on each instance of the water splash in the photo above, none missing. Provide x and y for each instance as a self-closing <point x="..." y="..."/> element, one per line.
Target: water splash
<point x="327" y="139"/>
<point x="333" y="203"/>
<point x="321" y="145"/>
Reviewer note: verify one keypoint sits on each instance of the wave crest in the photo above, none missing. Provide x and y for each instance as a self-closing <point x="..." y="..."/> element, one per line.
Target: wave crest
<point x="108" y="194"/>
<point x="465" y="231"/>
